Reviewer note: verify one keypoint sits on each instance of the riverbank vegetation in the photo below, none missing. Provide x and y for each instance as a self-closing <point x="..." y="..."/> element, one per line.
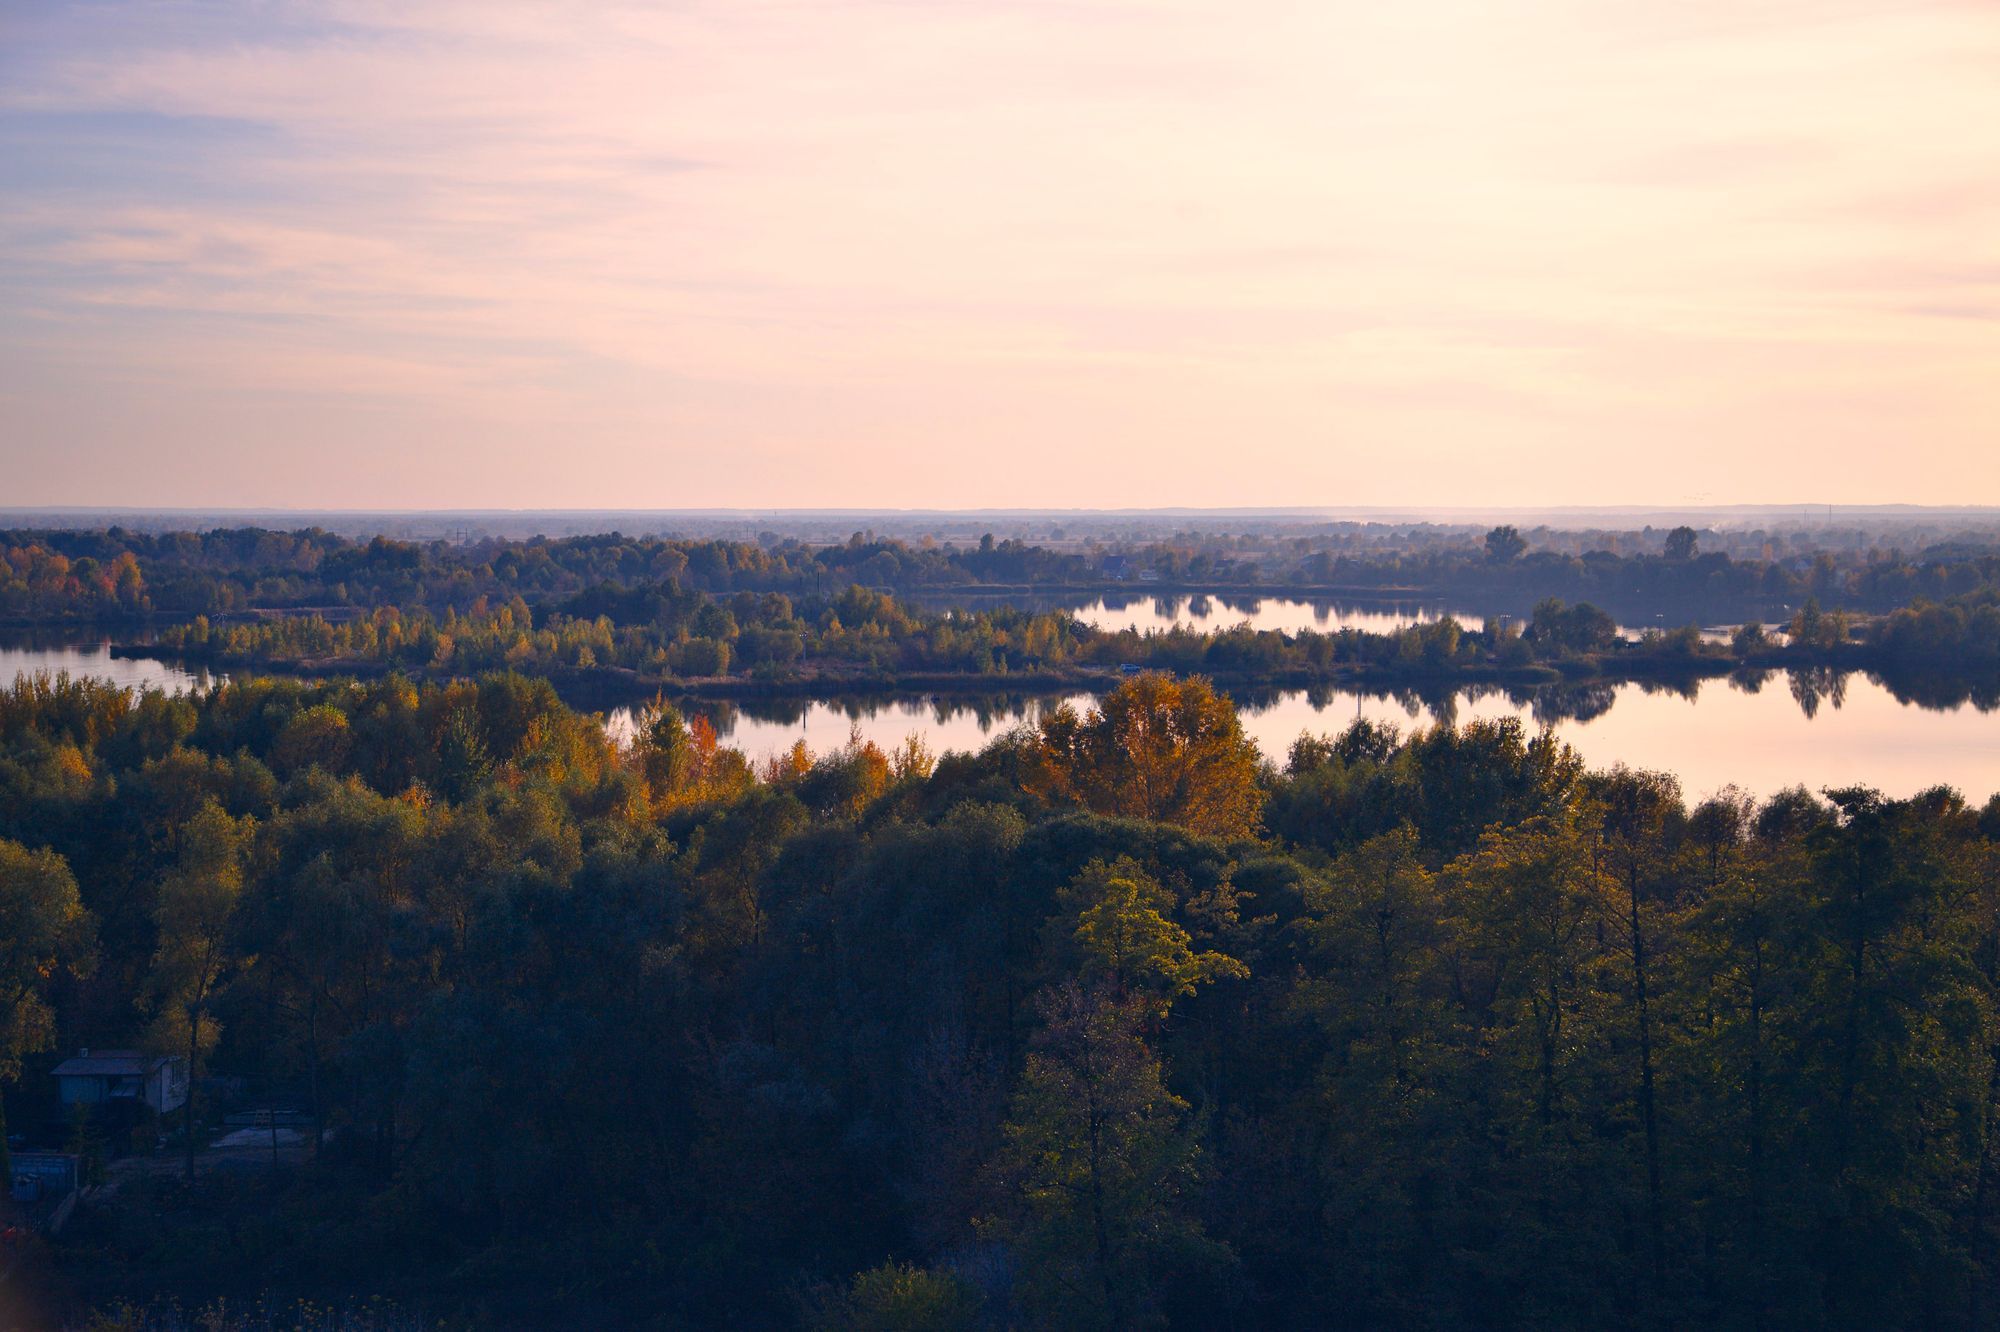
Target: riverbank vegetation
<point x="1108" y="1025"/>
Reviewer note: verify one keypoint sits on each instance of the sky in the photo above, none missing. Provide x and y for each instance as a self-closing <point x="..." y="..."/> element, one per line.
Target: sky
<point x="974" y="253"/>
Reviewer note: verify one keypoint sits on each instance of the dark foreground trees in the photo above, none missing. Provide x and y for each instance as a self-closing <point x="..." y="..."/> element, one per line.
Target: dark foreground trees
<point x="1436" y="1031"/>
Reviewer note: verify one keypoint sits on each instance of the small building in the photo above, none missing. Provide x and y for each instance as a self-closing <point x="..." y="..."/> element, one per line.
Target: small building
<point x="1116" y="566"/>
<point x="103" y="1079"/>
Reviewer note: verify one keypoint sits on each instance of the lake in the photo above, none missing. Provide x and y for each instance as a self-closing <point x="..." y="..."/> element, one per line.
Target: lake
<point x="1712" y="734"/>
<point x="25" y="652"/>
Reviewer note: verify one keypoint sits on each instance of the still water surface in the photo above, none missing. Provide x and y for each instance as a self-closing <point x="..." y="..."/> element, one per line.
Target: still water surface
<point x="1711" y="735"/>
<point x="1714" y="734"/>
<point x="30" y="652"/>
<point x="1206" y="613"/>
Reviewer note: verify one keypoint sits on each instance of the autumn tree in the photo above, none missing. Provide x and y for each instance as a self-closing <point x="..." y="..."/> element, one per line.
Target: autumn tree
<point x="1155" y="748"/>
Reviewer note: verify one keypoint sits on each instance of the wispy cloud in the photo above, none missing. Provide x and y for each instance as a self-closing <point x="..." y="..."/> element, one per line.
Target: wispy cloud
<point x="854" y="242"/>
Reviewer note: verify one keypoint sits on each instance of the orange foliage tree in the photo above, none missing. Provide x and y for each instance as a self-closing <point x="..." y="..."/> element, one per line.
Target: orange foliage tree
<point x="1154" y="748"/>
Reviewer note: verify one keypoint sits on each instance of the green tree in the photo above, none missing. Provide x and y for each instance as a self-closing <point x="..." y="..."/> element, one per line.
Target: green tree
<point x="1739" y="966"/>
<point x="195" y="915"/>
<point x="315" y="737"/>
<point x="664" y="748"/>
<point x="1389" y="1109"/>
<point x="1570" y="630"/>
<point x="1504" y="545"/>
<point x="1531" y="947"/>
<point x="1123" y="928"/>
<point x="1888" y="1090"/>
<point x="1097" y="1166"/>
<point x="1637" y="817"/>
<point x="464" y="765"/>
<point x="43" y="929"/>
<point x="896" y="1297"/>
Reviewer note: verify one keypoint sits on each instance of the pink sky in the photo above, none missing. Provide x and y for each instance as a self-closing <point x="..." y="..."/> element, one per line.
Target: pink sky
<point x="963" y="253"/>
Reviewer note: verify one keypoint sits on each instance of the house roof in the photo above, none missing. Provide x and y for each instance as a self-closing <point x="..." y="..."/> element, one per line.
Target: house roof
<point x="104" y="1064"/>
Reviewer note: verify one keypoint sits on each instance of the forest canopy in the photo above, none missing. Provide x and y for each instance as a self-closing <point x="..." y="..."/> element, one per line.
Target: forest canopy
<point x="1107" y="1025"/>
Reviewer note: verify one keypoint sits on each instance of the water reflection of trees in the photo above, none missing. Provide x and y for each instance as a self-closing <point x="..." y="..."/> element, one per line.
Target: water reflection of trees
<point x="1941" y="691"/>
<point x="1548" y="705"/>
<point x="1688" y="688"/>
<point x="1571" y="702"/>
<point x="1811" y="689"/>
<point x="1812" y="683"/>
<point x="1748" y="681"/>
<point x="991" y="711"/>
<point x="1934" y="691"/>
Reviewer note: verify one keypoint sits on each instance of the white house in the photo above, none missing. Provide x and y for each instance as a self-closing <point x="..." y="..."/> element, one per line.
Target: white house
<point x="102" y="1077"/>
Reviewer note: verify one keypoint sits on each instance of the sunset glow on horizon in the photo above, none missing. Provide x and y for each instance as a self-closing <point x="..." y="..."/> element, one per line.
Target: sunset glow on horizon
<point x="1100" y="253"/>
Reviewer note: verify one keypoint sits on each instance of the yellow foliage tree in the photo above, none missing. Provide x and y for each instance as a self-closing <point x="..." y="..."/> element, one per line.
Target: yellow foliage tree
<point x="1128" y="938"/>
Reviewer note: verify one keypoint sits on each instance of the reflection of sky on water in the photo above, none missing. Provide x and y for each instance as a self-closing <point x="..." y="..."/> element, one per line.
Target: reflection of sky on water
<point x="1720" y="732"/>
<point x="1713" y="733"/>
<point x="18" y="658"/>
<point x="1217" y="612"/>
<point x="1806" y="728"/>
<point x="1119" y="611"/>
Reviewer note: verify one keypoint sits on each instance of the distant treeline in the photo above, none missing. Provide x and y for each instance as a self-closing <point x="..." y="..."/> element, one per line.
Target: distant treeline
<point x="122" y="574"/>
<point x="220" y="573"/>
<point x="1708" y="586"/>
<point x="1108" y="1026"/>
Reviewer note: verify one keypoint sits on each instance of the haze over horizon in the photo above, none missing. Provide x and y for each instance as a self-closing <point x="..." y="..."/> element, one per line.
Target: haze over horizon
<point x="347" y="254"/>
